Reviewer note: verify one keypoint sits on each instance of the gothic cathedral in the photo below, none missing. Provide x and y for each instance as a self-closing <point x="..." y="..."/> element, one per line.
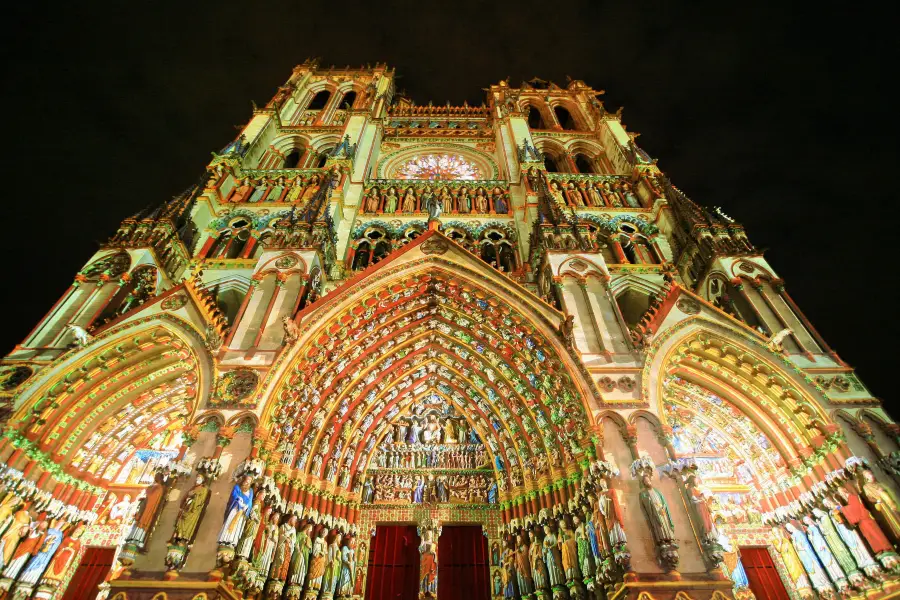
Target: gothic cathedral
<point x="385" y="350"/>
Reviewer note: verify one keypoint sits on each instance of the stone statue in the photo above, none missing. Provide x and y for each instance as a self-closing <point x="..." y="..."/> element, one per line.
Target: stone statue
<point x="299" y="562"/>
<point x="657" y="512"/>
<point x="523" y="566"/>
<point x="191" y="512"/>
<point x="433" y="206"/>
<point x="316" y="566"/>
<point x="149" y="503"/>
<point x="236" y="511"/>
<point x="536" y="558"/>
<point x="553" y="559"/>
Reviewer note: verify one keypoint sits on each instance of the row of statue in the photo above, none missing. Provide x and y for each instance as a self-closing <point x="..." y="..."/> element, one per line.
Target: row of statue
<point x="450" y="201"/>
<point x="471" y="488"/>
<point x="432" y="429"/>
<point x="841" y="538"/>
<point x="299" y="190"/>
<point x="36" y="549"/>
<point x="581" y="194"/>
<point x="468" y="456"/>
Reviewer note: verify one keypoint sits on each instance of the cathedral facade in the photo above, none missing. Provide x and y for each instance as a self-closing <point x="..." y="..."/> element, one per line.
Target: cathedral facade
<point x="390" y="350"/>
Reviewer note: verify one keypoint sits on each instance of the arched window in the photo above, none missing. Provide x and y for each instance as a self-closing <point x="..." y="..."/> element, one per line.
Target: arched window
<point x="323" y="158"/>
<point x="551" y="164"/>
<point x="497" y="251"/>
<point x="231" y="242"/>
<point x="348" y="100"/>
<point x="535" y="119"/>
<point x="636" y="248"/>
<point x="633" y="304"/>
<point x="584" y="164"/>
<point x="319" y="101"/>
<point x="564" y="117"/>
<point x="293" y="158"/>
<point x="371" y="248"/>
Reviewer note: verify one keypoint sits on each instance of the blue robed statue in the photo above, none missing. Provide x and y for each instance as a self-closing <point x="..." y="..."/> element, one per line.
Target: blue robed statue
<point x="236" y="511"/>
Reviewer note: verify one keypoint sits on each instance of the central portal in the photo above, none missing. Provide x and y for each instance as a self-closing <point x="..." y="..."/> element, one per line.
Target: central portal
<point x="463" y="568"/>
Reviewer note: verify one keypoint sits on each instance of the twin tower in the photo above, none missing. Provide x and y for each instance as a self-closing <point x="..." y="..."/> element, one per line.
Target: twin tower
<point x="392" y="350"/>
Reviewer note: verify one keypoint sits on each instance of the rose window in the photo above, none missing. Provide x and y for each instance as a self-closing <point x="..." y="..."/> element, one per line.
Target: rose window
<point x="438" y="166"/>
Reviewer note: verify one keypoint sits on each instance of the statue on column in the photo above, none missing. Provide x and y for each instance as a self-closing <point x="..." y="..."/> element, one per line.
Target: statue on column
<point x="281" y="562"/>
<point x="264" y="549"/>
<point x="881" y="500"/>
<point x="29" y="546"/>
<point x="569" y="550"/>
<point x="523" y="565"/>
<point x="299" y="562"/>
<point x="187" y="523"/>
<point x="428" y="558"/>
<point x="657" y="512"/>
<point x="316" y="566"/>
<point x="150" y="502"/>
<point x="837" y="546"/>
<point x="536" y="558"/>
<point x="238" y="509"/>
<point x="332" y="568"/>
<point x="792" y="564"/>
<point x="808" y="559"/>
<point x="510" y="578"/>
<point x="856" y="514"/>
<point x="553" y="560"/>
<point x="35" y="568"/>
<point x="348" y="570"/>
<point x="709" y="538"/>
<point x="826" y="558"/>
<point x="585" y="552"/>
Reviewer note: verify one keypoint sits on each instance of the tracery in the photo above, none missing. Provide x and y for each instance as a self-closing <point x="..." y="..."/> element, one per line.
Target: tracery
<point x="438" y="166"/>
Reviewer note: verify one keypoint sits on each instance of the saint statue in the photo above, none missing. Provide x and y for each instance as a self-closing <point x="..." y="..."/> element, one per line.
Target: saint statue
<point x="523" y="566"/>
<point x="65" y="554"/>
<point x="585" y="553"/>
<point x="348" y="570"/>
<point x="553" y="558"/>
<point x="237" y="510"/>
<point x="701" y="505"/>
<point x="569" y="547"/>
<point x="284" y="550"/>
<point x="536" y="558"/>
<point x="882" y="501"/>
<point x="191" y="513"/>
<point x="332" y="566"/>
<point x="432" y="205"/>
<point x="316" y="565"/>
<point x="17" y="529"/>
<point x="149" y="504"/>
<point x="510" y="579"/>
<point x="792" y="564"/>
<point x="299" y="562"/>
<point x="808" y="560"/>
<point x="251" y="527"/>
<point x="657" y="512"/>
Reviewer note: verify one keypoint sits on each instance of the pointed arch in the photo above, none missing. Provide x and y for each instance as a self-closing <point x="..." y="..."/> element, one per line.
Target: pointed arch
<point x="729" y="382"/>
<point x="428" y="326"/>
<point x="92" y="408"/>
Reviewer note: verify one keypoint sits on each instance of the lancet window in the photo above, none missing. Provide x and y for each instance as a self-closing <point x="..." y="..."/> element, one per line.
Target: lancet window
<point x="231" y="242"/>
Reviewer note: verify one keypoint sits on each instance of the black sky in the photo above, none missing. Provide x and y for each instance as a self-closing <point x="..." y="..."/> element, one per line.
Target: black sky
<point x="783" y="116"/>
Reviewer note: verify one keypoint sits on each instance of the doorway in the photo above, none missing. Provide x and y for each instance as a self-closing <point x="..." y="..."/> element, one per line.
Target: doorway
<point x="463" y="569"/>
<point x="765" y="583"/>
<point x="393" y="571"/>
<point x="91" y="571"/>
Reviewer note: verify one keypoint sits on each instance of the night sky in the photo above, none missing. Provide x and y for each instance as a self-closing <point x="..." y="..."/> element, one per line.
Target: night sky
<point x="783" y="117"/>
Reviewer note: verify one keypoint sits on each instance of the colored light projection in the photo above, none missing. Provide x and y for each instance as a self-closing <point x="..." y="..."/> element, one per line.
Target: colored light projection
<point x="438" y="166"/>
<point x="439" y="353"/>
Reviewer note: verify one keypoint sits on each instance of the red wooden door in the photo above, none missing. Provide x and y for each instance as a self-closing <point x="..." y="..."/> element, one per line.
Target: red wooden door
<point x="393" y="572"/>
<point x="91" y="571"/>
<point x="765" y="582"/>
<point x="463" y="570"/>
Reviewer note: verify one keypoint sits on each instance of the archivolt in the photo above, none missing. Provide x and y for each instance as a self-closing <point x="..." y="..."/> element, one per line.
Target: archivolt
<point x="429" y="330"/>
